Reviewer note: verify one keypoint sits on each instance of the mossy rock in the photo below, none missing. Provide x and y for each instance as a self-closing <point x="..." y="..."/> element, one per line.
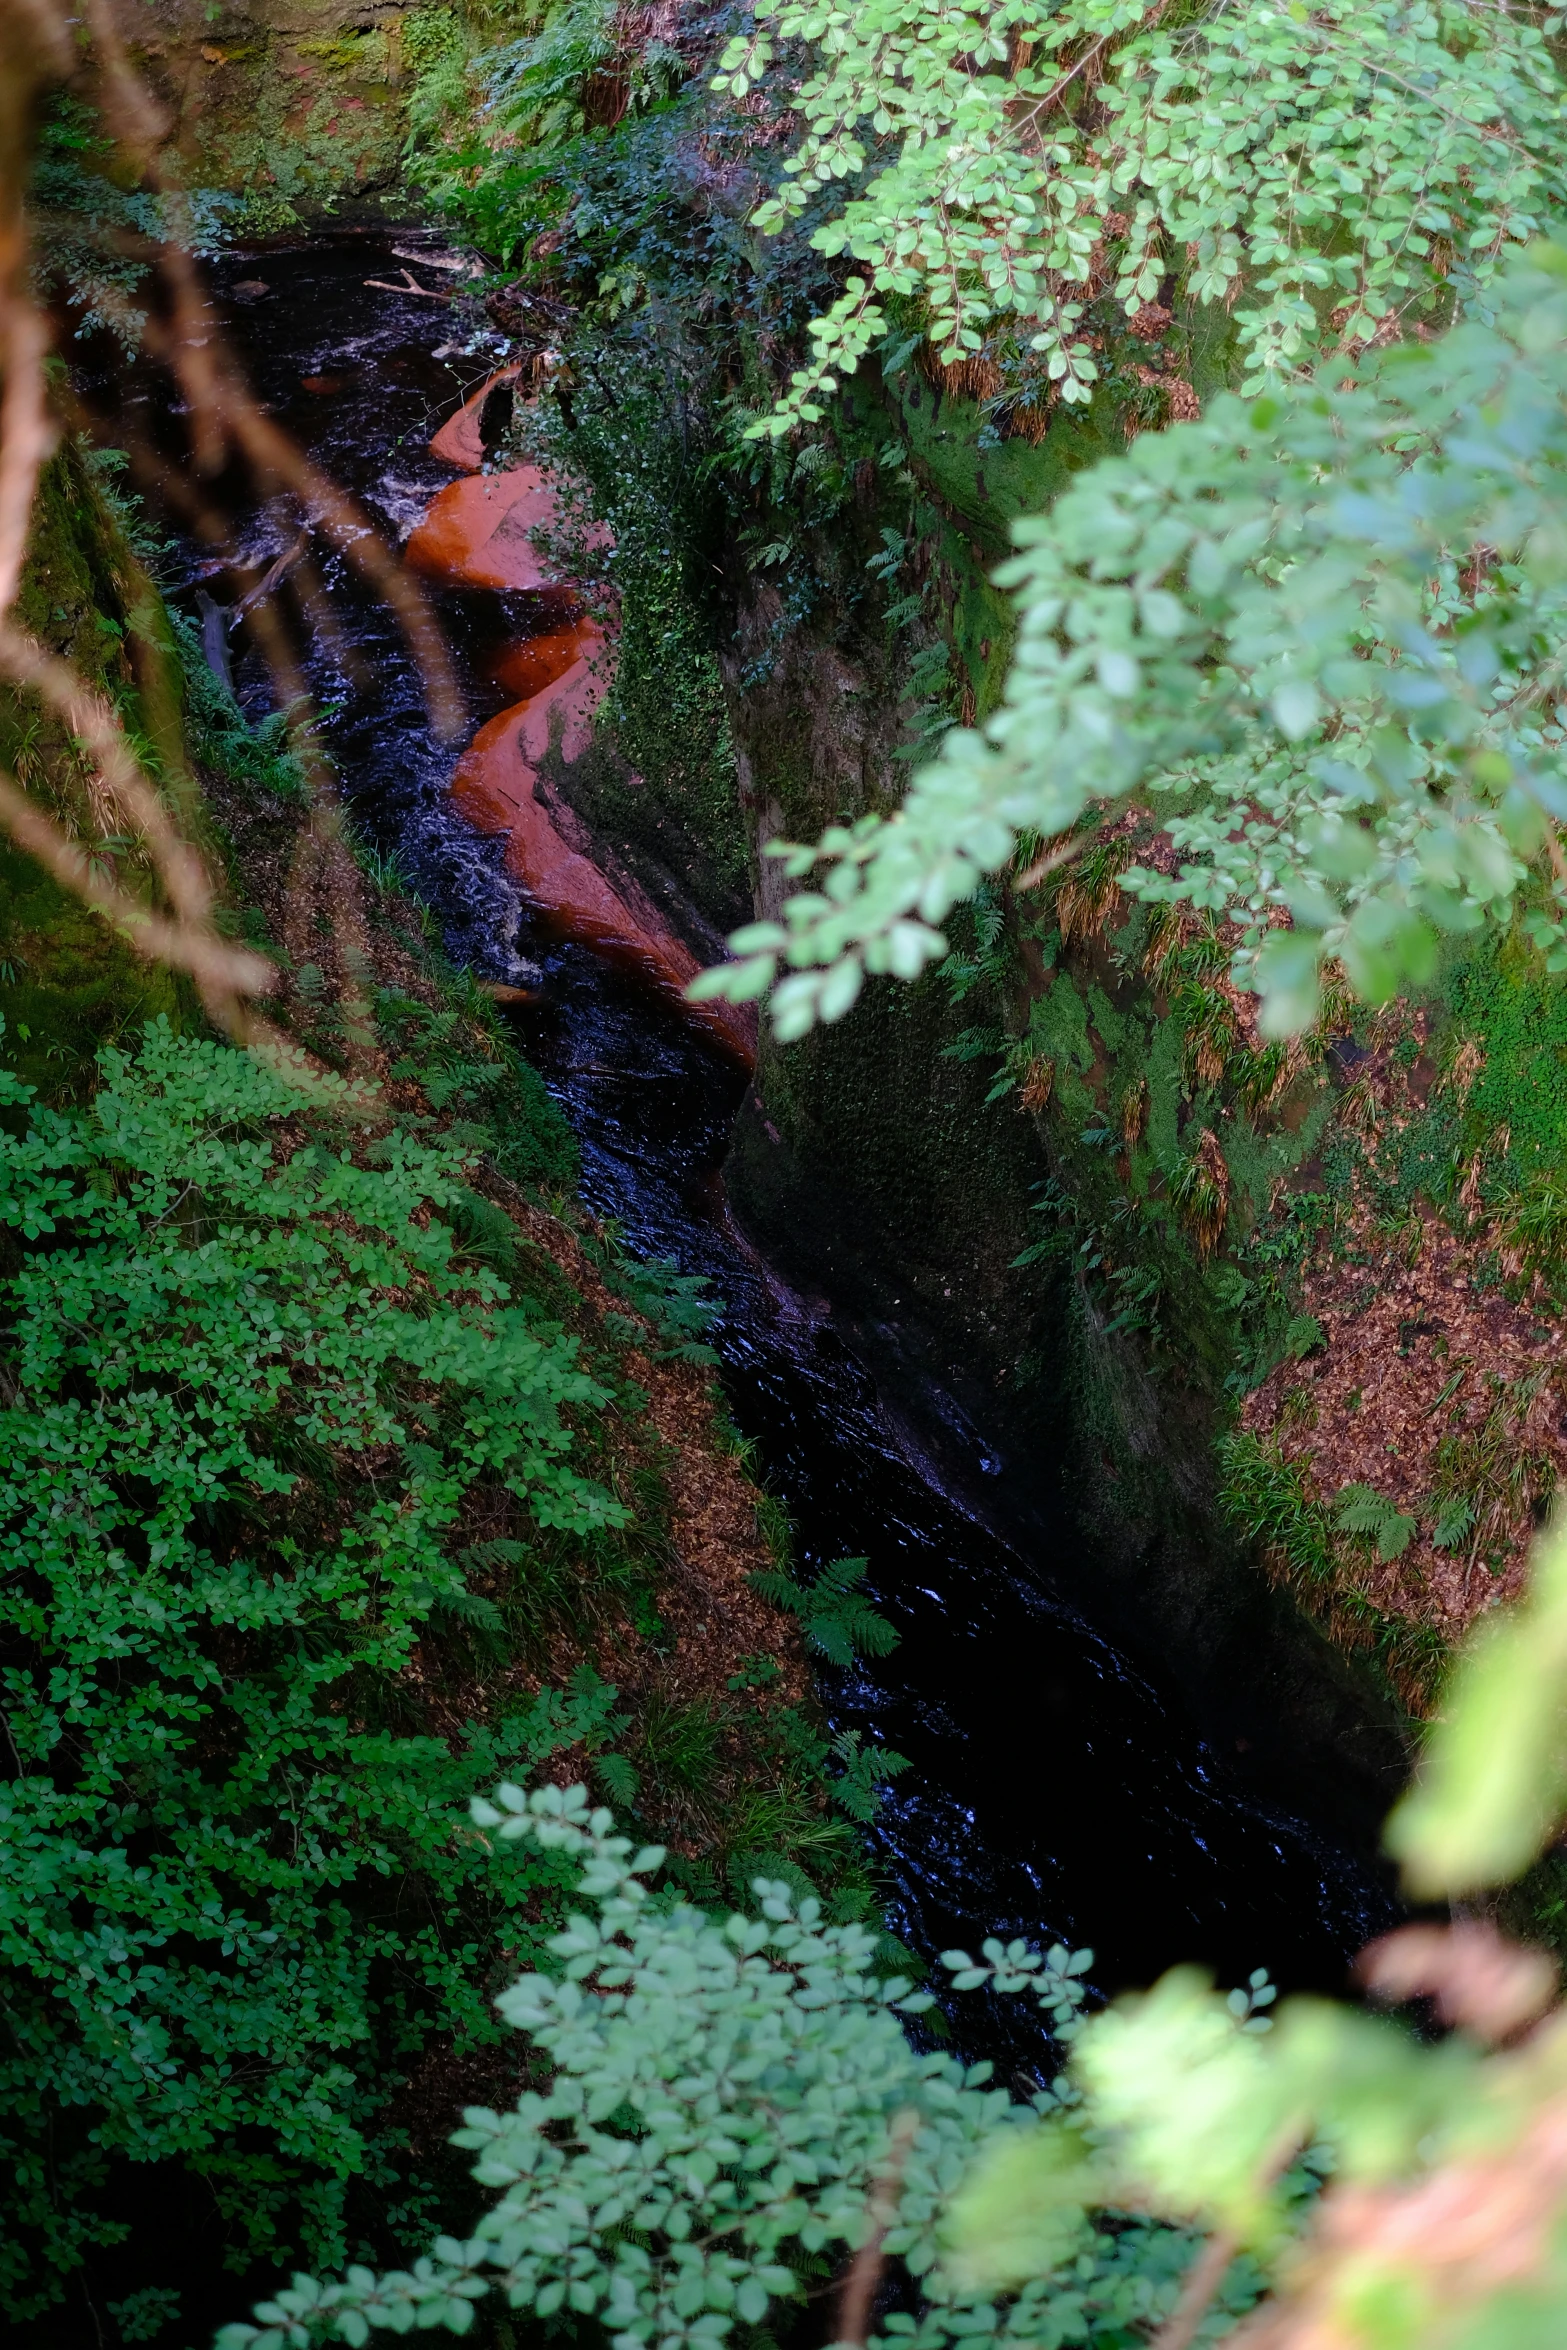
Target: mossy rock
<point x="287" y="101"/>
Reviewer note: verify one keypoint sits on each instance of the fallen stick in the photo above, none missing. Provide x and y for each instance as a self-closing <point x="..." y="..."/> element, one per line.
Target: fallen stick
<point x="426" y="293"/>
<point x="433" y="261"/>
<point x="858" y="2302"/>
<point x="274" y="573"/>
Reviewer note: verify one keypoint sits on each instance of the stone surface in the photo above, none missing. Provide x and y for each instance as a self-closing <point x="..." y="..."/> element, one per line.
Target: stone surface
<point x="476" y="533"/>
<point x="282" y="98"/>
<point x="459" y="441"/>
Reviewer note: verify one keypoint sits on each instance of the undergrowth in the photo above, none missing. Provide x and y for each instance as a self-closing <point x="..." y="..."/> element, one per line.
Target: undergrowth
<point x="260" y="1406"/>
<point x="330" y="1494"/>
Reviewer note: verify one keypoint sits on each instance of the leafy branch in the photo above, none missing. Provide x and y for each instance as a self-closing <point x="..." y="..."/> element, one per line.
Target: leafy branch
<point x="1319" y="618"/>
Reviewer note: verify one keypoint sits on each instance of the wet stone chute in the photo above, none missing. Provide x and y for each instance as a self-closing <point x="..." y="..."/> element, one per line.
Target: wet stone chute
<point x="1053" y="1790"/>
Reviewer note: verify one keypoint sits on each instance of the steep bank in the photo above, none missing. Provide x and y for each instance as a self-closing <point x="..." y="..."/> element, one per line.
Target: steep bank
<point x="1203" y="1218"/>
<point x="287" y="1678"/>
<point x="1201" y="1188"/>
<point x="286" y="102"/>
<point x="813" y="606"/>
<point x="524" y="1546"/>
<point x="67" y="981"/>
<point x="901" y="1163"/>
<point x="1160" y="1852"/>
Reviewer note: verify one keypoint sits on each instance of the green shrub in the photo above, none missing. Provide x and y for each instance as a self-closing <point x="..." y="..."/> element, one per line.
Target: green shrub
<point x="724" y="2101"/>
<point x="257" y="1405"/>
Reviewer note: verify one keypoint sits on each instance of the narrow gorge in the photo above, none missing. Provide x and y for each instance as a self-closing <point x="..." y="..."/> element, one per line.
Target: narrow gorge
<point x="983" y="1429"/>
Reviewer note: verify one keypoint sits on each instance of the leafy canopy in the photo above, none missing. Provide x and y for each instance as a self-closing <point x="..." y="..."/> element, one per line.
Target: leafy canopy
<point x="731" y="2110"/>
<point x="1008" y="163"/>
<point x="1325" y="624"/>
<point x="721" y="2097"/>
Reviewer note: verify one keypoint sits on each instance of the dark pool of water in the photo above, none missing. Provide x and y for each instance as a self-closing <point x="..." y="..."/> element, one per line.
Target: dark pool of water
<point x="1054" y="1789"/>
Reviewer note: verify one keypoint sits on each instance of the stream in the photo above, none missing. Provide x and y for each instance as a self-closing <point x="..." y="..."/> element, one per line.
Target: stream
<point x="1055" y="1790"/>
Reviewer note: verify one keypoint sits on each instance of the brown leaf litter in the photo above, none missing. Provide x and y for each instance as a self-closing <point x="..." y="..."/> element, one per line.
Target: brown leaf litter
<point x="1434" y="1374"/>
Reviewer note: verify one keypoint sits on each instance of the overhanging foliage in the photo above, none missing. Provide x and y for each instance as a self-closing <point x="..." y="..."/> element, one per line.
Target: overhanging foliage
<point x="1326" y="622"/>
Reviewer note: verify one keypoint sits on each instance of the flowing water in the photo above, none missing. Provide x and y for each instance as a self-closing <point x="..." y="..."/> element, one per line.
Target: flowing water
<point x="1054" y="1789"/>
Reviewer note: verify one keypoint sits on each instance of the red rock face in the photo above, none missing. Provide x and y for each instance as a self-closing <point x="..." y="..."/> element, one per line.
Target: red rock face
<point x="526" y="669"/>
<point x="458" y="443"/>
<point x="475" y="533"/>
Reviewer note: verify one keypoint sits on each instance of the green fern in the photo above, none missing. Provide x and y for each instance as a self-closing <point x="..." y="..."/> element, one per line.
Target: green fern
<point x="1362" y="1510"/>
<point x="866" y="1770"/>
<point x="839" y="1622"/>
<point x="1454" y="1522"/>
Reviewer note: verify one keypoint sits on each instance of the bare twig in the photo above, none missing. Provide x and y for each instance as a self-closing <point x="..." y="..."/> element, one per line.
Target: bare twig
<point x="1477" y="1979"/>
<point x="1203" y="2280"/>
<point x="1050" y="861"/>
<point x="90" y="719"/>
<point x="858" y="2300"/>
<point x="27" y="434"/>
<point x="224" y="415"/>
<point x="1206" y="2273"/>
<point x="436" y="261"/>
<point x="385" y="285"/>
<point x="221" y="972"/>
<point x="277" y="463"/>
<point x="274" y="575"/>
<point x="36" y="46"/>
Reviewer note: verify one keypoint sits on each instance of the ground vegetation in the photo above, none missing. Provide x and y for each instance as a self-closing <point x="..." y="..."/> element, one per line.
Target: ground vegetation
<point x="724" y="2105"/>
<point x="290" y="1335"/>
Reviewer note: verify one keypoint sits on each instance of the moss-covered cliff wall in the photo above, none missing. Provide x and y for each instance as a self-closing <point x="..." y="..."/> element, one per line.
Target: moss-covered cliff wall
<point x="638" y="1650"/>
<point x="67" y="981"/>
<point x="907" y="1158"/>
<point x="1287" y="1329"/>
<point x="904" y="1161"/>
<point x="287" y="101"/>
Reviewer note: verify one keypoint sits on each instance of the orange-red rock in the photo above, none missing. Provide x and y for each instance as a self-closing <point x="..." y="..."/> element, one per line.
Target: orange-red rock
<point x="496" y="787"/>
<point x="458" y="443"/>
<point x="477" y="532"/>
<point x="528" y="668"/>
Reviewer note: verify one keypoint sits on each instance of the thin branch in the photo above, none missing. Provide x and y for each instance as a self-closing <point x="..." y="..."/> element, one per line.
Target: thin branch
<point x="36" y="44"/>
<point x="27" y="433"/>
<point x="221" y="972"/>
<point x="1050" y="861"/>
<point x="859" y="2286"/>
<point x="1203" y="2280"/>
<point x="90" y="718"/>
<point x="35" y="48"/>
<point x="224" y="414"/>
<point x="277" y="461"/>
<point x="1206" y="2273"/>
<point x="276" y="572"/>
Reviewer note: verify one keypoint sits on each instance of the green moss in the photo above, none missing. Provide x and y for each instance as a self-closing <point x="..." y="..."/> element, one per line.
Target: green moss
<point x="1259" y="1160"/>
<point x="68" y="981"/>
<point x="288" y="114"/>
<point x="985" y="481"/>
<point x="1500" y="993"/>
<point x="1265" y="1497"/>
<point x="1058" y="1030"/>
<point x="660" y="785"/>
